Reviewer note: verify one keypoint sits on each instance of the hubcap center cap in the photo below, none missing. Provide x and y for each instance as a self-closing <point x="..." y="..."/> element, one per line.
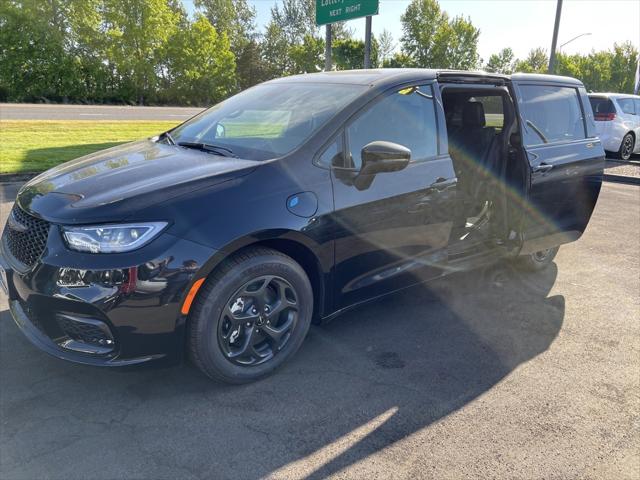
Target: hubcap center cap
<point x="261" y="320"/>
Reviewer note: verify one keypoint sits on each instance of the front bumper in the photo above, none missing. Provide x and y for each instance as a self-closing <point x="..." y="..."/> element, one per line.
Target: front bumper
<point x="105" y="310"/>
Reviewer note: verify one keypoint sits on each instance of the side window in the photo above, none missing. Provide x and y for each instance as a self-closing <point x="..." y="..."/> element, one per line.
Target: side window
<point x="406" y="117"/>
<point x="493" y="110"/>
<point x="552" y="114"/>
<point x="332" y="155"/>
<point x="637" y="101"/>
<point x="627" y="106"/>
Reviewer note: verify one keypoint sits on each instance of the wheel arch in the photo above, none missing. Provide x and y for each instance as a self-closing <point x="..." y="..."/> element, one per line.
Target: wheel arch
<point x="299" y="247"/>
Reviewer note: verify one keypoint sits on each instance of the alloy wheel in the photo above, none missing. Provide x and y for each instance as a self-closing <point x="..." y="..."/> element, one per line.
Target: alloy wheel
<point x="627" y="147"/>
<point x="258" y="320"/>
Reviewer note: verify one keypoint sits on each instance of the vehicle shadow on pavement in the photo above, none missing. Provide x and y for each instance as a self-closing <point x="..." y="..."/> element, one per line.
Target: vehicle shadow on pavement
<point x="370" y="378"/>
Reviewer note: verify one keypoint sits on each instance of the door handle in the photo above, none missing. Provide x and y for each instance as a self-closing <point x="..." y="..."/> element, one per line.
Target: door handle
<point x="439" y="185"/>
<point x="543" y="168"/>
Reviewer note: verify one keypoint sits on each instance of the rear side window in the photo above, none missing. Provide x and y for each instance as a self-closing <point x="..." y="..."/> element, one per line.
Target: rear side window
<point x="493" y="111"/>
<point x="627" y="105"/>
<point x="552" y="114"/>
<point x="602" y="105"/>
<point x="406" y="117"/>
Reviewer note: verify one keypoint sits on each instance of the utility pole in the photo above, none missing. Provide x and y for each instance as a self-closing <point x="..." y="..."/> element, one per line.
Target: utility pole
<point x="327" y="48"/>
<point x="556" y="27"/>
<point x="367" y="43"/>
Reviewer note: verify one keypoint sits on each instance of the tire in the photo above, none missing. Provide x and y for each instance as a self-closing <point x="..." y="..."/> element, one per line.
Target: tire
<point x="537" y="261"/>
<point x="626" y="147"/>
<point x="251" y="315"/>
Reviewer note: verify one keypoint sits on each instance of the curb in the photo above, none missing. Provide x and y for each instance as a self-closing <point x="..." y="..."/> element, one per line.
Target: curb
<point x="621" y="179"/>
<point x="16" y="177"/>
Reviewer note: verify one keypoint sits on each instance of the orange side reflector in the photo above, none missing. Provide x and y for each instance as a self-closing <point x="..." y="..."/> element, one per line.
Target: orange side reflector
<point x="190" y="296"/>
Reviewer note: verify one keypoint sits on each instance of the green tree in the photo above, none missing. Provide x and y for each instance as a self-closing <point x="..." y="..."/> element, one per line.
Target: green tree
<point x="386" y="45"/>
<point x="623" y="67"/>
<point x="236" y="18"/>
<point x="287" y="43"/>
<point x="296" y="19"/>
<point x="275" y="52"/>
<point x="501" y="62"/>
<point x="137" y="31"/>
<point x="39" y="49"/>
<point x="398" y="60"/>
<point x="308" y="57"/>
<point x="537" y="61"/>
<point x="250" y="66"/>
<point x="349" y="54"/>
<point x="200" y="65"/>
<point x="431" y="39"/>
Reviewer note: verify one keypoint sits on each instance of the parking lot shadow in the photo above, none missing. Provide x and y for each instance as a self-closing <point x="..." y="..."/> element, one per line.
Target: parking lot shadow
<point x="359" y="384"/>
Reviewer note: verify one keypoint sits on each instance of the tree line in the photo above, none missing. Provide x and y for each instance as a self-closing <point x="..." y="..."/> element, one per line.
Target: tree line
<point x="153" y="52"/>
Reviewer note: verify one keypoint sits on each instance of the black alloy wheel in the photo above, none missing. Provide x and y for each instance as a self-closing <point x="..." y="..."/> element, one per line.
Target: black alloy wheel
<point x="258" y="320"/>
<point x="250" y="316"/>
<point x="626" y="147"/>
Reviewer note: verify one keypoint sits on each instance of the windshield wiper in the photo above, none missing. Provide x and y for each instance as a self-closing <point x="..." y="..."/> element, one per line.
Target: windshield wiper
<point x="207" y="147"/>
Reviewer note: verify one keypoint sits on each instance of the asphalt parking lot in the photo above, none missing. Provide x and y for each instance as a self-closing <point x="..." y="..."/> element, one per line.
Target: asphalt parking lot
<point x="489" y="374"/>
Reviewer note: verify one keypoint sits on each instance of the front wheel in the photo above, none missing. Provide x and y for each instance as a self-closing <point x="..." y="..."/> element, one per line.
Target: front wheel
<point x="250" y="317"/>
<point x="537" y="261"/>
<point x="626" y="147"/>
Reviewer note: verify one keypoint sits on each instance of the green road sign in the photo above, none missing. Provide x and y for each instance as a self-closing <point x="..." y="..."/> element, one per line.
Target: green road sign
<point x="329" y="11"/>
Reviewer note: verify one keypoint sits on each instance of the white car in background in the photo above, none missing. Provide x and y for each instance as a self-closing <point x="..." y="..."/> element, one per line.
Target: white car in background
<point x="617" y="117"/>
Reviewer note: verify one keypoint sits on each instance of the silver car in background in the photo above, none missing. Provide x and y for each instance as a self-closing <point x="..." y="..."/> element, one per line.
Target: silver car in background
<point x="617" y="118"/>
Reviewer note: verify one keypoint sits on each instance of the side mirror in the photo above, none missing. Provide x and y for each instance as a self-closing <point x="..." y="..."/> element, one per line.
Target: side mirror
<point x="380" y="157"/>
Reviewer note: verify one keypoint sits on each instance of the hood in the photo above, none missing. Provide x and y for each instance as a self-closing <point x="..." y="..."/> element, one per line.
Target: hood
<point x="112" y="184"/>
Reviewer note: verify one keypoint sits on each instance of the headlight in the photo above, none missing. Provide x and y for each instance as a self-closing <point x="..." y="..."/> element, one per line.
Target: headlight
<point x="111" y="238"/>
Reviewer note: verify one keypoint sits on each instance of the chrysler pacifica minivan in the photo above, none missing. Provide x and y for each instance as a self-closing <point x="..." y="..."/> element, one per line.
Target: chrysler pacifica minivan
<point x="224" y="238"/>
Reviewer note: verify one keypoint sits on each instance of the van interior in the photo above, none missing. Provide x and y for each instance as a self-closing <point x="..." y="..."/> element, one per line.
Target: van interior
<point x="486" y="148"/>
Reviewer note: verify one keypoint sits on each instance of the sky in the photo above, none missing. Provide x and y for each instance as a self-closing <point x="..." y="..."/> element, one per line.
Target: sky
<point x="519" y="24"/>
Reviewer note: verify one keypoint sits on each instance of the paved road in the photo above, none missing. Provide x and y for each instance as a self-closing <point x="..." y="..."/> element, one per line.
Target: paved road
<point x="491" y="374"/>
<point x="29" y="111"/>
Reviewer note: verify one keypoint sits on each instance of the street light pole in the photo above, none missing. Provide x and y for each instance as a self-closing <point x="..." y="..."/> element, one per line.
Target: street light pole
<point x="574" y="38"/>
<point x="327" y="48"/>
<point x="556" y="27"/>
<point x="367" y="43"/>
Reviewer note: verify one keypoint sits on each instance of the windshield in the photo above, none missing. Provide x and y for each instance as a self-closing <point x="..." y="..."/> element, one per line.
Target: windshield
<point x="267" y="121"/>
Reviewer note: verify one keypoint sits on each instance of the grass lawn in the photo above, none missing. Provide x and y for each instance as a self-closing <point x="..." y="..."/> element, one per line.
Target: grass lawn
<point x="36" y="145"/>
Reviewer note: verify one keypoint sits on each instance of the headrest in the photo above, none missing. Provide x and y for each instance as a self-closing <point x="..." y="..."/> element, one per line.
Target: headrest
<point x="473" y="115"/>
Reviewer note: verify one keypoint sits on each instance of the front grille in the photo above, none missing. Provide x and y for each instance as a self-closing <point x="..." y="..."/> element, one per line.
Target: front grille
<point x="25" y="236"/>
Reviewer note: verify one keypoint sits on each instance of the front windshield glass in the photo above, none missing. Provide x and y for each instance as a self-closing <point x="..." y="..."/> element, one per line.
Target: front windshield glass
<point x="267" y="121"/>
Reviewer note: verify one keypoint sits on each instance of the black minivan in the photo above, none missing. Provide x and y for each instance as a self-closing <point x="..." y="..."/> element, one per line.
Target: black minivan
<point x="290" y="202"/>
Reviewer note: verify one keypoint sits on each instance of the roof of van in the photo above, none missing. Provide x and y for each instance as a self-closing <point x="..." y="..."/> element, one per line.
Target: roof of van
<point x="380" y="76"/>
<point x="613" y="95"/>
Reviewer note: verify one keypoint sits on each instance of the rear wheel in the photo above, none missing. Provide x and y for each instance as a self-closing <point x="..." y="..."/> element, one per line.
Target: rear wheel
<point x="626" y="147"/>
<point x="250" y="317"/>
<point x="538" y="260"/>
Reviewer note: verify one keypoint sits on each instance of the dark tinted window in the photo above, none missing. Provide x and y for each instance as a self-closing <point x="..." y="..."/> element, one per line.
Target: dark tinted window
<point x="493" y="112"/>
<point x="268" y="120"/>
<point x="627" y="105"/>
<point x="552" y="114"/>
<point x="332" y="155"/>
<point x="602" y="105"/>
<point x="406" y="117"/>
